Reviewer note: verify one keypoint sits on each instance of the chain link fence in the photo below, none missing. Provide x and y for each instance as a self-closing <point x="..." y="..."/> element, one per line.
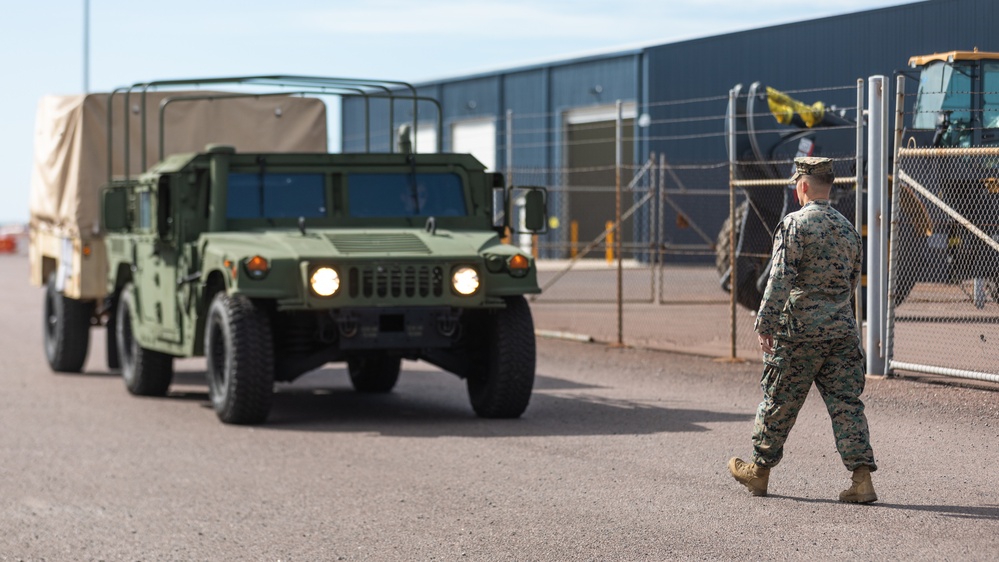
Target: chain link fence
<point x="670" y="290"/>
<point x="662" y="279"/>
<point x="944" y="263"/>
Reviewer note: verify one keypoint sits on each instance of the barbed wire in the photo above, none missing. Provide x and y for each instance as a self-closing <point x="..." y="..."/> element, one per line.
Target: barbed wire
<point x="383" y="139"/>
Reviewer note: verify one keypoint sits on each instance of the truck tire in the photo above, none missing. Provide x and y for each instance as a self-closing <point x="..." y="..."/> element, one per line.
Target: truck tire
<point x="67" y="330"/>
<point x="145" y="372"/>
<point x="374" y="372"/>
<point x="111" y="341"/>
<point x="503" y="388"/>
<point x="239" y="349"/>
<point x="749" y="294"/>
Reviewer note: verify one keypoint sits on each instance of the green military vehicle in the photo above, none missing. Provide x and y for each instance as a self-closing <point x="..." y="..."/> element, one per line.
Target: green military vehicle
<point x="272" y="264"/>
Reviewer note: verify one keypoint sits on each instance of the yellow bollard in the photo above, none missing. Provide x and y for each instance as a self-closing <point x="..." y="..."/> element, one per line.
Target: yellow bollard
<point x="610" y="241"/>
<point x="573" y="238"/>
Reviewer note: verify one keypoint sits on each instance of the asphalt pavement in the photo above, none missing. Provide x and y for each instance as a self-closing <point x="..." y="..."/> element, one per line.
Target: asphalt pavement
<point x="620" y="456"/>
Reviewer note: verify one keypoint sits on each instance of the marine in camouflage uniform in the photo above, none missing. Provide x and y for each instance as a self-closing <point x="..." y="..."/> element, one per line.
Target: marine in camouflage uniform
<point x="808" y="331"/>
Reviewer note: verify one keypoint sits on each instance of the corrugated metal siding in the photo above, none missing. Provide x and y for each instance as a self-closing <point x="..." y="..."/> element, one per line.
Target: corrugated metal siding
<point x="527" y="94"/>
<point x="824" y="53"/>
<point x="470" y="99"/>
<point x="590" y="84"/>
<point x="817" y="53"/>
<point x="829" y="52"/>
<point x="574" y="85"/>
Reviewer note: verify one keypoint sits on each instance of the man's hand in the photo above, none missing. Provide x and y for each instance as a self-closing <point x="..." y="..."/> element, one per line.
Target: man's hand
<point x="766" y="343"/>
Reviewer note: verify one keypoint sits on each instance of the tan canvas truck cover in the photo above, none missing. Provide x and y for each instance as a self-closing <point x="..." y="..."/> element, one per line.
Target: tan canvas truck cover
<point x="71" y="152"/>
<point x="71" y="156"/>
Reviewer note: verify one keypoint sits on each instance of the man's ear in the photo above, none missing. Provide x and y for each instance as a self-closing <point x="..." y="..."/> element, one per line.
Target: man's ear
<point x="805" y="186"/>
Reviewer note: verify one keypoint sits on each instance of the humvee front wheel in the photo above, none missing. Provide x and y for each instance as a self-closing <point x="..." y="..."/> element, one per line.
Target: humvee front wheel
<point x="502" y="388"/>
<point x="240" y="353"/>
<point x="374" y="373"/>
<point x="67" y="330"/>
<point x="145" y="372"/>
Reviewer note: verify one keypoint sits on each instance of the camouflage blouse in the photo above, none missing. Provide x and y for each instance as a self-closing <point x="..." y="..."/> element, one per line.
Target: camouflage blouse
<point x="816" y="264"/>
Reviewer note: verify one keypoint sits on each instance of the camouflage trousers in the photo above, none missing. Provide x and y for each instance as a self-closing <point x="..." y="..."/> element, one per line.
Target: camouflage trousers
<point x="837" y="368"/>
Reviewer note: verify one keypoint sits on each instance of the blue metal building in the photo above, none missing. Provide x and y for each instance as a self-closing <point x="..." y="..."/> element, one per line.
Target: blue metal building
<point x="555" y="104"/>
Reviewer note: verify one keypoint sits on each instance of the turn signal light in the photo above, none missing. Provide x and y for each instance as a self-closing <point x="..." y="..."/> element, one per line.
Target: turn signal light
<point x="257" y="267"/>
<point x="519" y="264"/>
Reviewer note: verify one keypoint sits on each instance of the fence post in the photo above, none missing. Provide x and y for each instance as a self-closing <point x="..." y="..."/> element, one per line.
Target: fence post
<point x="509" y="178"/>
<point x="895" y="211"/>
<point x="661" y="240"/>
<point x="651" y="225"/>
<point x="733" y="275"/>
<point x="876" y="180"/>
<point x="617" y="223"/>
<point x="858" y="198"/>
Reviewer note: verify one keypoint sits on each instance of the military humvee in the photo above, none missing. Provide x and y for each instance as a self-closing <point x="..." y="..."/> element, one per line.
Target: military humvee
<point x="272" y="264"/>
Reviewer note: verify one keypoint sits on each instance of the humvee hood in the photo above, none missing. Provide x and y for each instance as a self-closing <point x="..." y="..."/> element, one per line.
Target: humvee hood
<point x="354" y="243"/>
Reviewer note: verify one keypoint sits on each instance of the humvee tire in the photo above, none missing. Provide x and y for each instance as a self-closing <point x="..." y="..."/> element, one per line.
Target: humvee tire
<point x="374" y="372"/>
<point x="503" y="388"/>
<point x="67" y="330"/>
<point x="239" y="349"/>
<point x="111" y="338"/>
<point x="145" y="372"/>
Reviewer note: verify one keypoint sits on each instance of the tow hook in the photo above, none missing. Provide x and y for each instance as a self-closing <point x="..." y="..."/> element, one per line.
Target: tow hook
<point x="448" y="324"/>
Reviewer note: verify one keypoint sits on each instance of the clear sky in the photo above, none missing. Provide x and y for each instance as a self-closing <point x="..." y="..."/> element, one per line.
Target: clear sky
<point x="41" y="44"/>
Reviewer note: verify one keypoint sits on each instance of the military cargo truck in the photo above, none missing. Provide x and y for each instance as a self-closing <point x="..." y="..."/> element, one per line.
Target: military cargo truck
<point x="79" y="144"/>
<point x="272" y="263"/>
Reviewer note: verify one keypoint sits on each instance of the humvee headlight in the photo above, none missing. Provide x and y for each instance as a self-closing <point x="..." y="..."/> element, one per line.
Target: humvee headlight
<point x="465" y="280"/>
<point x="257" y="267"/>
<point x="325" y="281"/>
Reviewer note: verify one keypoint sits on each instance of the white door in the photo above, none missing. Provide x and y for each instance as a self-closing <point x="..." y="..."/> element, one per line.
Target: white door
<point x="476" y="137"/>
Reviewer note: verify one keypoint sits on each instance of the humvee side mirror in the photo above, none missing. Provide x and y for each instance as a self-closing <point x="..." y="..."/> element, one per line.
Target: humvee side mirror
<point x="499" y="207"/>
<point x="114" y="210"/>
<point x="536" y="210"/>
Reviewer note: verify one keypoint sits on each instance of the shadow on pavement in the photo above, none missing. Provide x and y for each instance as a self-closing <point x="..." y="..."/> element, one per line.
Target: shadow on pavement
<point x="958" y="511"/>
<point x="435" y="404"/>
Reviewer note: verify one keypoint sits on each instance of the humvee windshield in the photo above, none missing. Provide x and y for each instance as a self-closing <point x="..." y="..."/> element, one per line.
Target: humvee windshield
<point x="273" y="195"/>
<point x="406" y="195"/>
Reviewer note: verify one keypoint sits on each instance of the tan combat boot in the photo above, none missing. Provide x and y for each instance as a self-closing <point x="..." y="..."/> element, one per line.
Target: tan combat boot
<point x="750" y="475"/>
<point x="862" y="490"/>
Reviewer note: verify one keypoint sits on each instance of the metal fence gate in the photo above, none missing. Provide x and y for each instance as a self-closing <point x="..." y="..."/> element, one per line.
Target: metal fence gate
<point x="943" y="281"/>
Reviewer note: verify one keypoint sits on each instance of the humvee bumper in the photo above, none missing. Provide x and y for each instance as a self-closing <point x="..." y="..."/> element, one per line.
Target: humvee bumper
<point x="397" y="328"/>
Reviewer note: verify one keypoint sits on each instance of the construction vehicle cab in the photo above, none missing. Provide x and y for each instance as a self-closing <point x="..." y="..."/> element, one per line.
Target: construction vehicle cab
<point x="957" y="103"/>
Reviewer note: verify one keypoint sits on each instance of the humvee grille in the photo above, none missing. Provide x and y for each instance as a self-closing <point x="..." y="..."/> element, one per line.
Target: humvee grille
<point x="396" y="281"/>
<point x="364" y="243"/>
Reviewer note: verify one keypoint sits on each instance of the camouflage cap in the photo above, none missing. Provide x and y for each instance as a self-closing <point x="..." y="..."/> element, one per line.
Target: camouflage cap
<point x="810" y="166"/>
